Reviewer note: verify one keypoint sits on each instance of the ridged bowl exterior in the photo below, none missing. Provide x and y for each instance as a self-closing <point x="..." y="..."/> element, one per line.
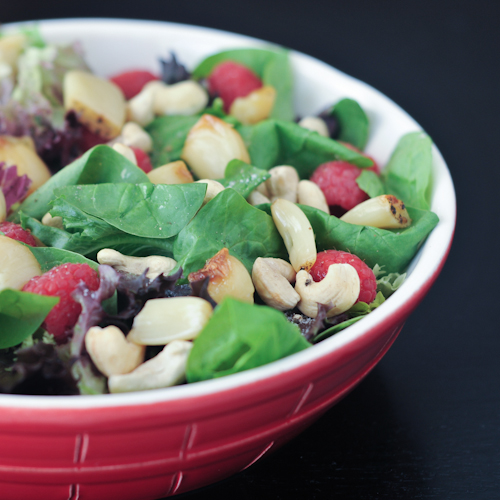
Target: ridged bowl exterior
<point x="145" y="447"/>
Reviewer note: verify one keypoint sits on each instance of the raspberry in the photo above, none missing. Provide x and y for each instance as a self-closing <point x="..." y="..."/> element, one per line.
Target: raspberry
<point x="61" y="281"/>
<point x="337" y="180"/>
<point x="131" y="82"/>
<point x="230" y="80"/>
<point x="143" y="161"/>
<point x="16" y="232"/>
<point x="368" y="282"/>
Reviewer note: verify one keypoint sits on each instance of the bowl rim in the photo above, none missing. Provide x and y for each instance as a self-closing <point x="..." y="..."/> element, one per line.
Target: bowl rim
<point x="427" y="264"/>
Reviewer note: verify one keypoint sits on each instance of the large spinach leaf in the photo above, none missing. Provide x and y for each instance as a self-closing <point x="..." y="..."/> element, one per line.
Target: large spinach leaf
<point x="271" y="65"/>
<point x="21" y="314"/>
<point x="275" y="142"/>
<point x="49" y="257"/>
<point x="100" y="164"/>
<point x="87" y="235"/>
<point x="408" y="175"/>
<point x="242" y="177"/>
<point x="353" y="122"/>
<point x="241" y="336"/>
<point x="228" y="221"/>
<point x="146" y="210"/>
<point x="392" y="248"/>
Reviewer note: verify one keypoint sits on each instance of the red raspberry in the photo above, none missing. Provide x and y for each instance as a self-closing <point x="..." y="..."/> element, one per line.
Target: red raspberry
<point x="143" y="161"/>
<point x="16" y="232"/>
<point x="230" y="80"/>
<point x="131" y="82"/>
<point x="61" y="281"/>
<point x="368" y="282"/>
<point x="337" y="180"/>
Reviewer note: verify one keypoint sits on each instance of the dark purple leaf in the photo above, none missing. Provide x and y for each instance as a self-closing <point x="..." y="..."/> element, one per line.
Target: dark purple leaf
<point x="13" y="186"/>
<point x="200" y="289"/>
<point x="172" y="71"/>
<point x="38" y="370"/>
<point x="309" y="327"/>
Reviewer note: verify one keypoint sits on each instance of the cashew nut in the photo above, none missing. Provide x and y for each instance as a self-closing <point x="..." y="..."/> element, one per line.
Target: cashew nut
<point x="384" y="211"/>
<point x="183" y="98"/>
<point x="213" y="189"/>
<point x="140" y="108"/>
<point x="255" y="106"/>
<point x="111" y="352"/>
<point x="166" y="369"/>
<point x="163" y="320"/>
<point x="56" y="221"/>
<point x="155" y="264"/>
<point x="283" y="183"/>
<point x="125" y="151"/>
<point x="315" y="124"/>
<point x="134" y="135"/>
<point x="272" y="278"/>
<point x="339" y="289"/>
<point x="174" y="172"/>
<point x="257" y="198"/>
<point x="297" y="233"/>
<point x="310" y="194"/>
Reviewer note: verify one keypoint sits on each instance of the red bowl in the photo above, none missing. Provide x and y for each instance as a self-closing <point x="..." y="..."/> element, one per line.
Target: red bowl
<point x="162" y="442"/>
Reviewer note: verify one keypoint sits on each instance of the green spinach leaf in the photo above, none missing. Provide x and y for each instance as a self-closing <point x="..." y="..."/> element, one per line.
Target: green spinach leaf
<point x="372" y="184"/>
<point x="49" y="257"/>
<point x="353" y="123"/>
<point x="242" y="177"/>
<point x="86" y="235"/>
<point x="392" y="248"/>
<point x="241" y="336"/>
<point x="146" y="210"/>
<point x="408" y="175"/>
<point x="21" y="314"/>
<point x="228" y="221"/>
<point x="274" y="142"/>
<point x="169" y="134"/>
<point x="100" y="164"/>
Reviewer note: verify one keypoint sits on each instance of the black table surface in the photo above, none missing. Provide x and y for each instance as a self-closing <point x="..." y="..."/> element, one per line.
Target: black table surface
<point x="425" y="424"/>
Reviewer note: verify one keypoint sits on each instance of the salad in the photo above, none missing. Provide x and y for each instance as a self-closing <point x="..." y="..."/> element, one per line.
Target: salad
<point x="158" y="229"/>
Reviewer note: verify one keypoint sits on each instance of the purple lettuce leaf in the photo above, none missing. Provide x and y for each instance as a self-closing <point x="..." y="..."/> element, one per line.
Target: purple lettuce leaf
<point x="309" y="327"/>
<point x="92" y="310"/>
<point x="13" y="186"/>
<point x="38" y="370"/>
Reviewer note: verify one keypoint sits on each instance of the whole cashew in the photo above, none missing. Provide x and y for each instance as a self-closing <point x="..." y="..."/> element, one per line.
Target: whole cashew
<point x="164" y="370"/>
<point x="111" y="352"/>
<point x="272" y="279"/>
<point x="339" y="290"/>
<point x="156" y="264"/>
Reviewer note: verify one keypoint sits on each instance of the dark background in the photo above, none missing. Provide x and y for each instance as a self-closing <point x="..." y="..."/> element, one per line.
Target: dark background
<point x="425" y="424"/>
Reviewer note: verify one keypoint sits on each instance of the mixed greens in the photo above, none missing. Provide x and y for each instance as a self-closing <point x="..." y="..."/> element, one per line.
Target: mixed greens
<point x="105" y="201"/>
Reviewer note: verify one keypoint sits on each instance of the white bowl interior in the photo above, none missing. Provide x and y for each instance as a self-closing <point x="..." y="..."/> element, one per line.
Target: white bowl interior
<point x="115" y="45"/>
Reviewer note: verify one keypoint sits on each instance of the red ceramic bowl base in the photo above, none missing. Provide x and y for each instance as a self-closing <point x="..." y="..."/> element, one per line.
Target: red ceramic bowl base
<point x="223" y="440"/>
